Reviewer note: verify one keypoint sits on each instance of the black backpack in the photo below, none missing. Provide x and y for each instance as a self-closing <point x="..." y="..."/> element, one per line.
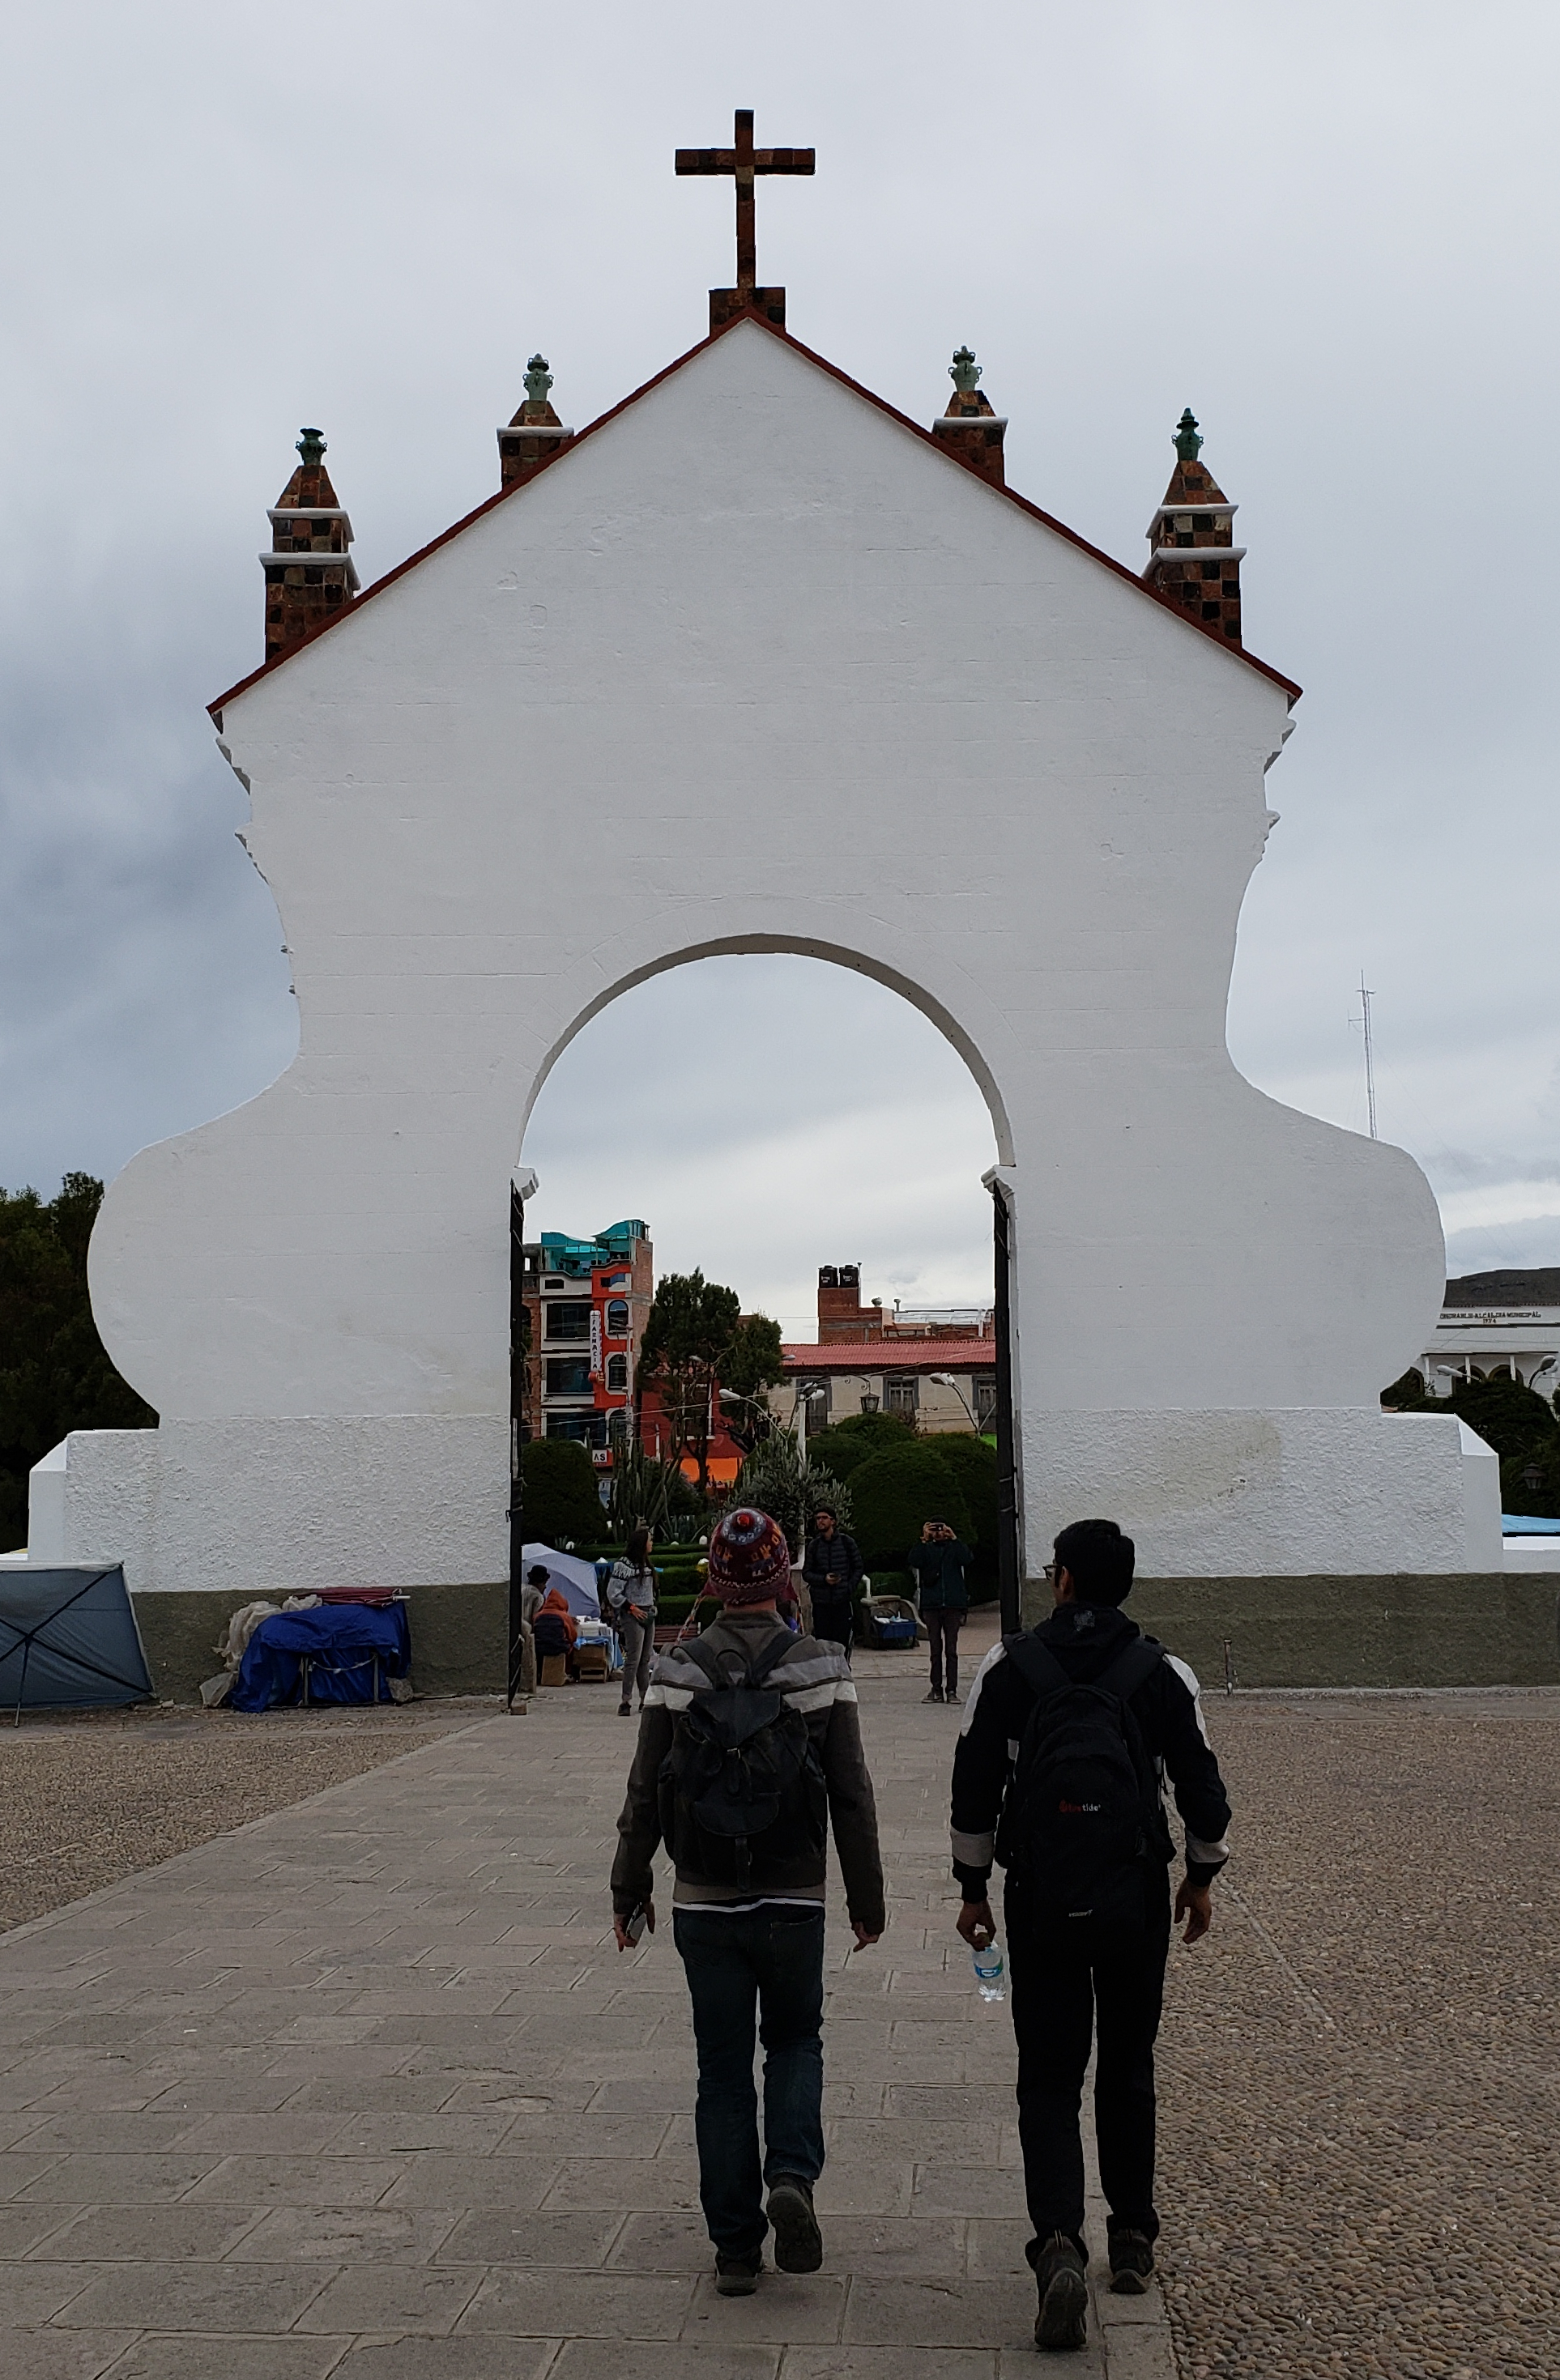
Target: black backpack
<point x="741" y="1794"/>
<point x="1082" y="1814"/>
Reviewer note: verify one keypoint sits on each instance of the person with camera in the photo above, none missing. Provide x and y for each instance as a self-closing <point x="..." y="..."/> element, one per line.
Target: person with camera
<point x="939" y="1566"/>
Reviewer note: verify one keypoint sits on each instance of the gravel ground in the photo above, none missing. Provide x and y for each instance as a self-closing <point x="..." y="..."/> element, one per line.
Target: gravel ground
<point x="1360" y="2067"/>
<point x="86" y="1798"/>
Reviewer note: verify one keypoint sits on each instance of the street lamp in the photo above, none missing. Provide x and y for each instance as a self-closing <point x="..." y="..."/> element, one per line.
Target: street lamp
<point x="947" y="1380"/>
<point x="805" y="1388"/>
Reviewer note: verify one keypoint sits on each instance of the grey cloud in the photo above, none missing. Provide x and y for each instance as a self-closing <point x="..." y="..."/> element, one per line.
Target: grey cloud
<point x="224" y="224"/>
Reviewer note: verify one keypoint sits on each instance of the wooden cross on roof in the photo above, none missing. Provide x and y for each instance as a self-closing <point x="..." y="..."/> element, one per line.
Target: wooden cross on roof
<point x="743" y="162"/>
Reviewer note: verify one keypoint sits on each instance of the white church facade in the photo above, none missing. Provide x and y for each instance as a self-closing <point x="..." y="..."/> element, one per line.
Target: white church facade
<point x="823" y="684"/>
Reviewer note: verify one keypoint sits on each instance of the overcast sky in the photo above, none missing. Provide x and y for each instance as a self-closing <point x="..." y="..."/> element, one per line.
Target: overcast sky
<point x="1329" y="228"/>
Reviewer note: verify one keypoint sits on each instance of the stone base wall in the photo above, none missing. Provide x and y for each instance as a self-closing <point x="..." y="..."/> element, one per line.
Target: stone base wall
<point x="1478" y="1629"/>
<point x="1474" y="1631"/>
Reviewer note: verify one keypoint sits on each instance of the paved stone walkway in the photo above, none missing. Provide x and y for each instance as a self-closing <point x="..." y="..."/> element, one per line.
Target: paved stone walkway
<point x="364" y="2090"/>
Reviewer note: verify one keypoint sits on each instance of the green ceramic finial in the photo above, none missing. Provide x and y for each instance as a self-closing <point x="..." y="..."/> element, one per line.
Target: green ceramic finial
<point x="964" y="371"/>
<point x="539" y="380"/>
<point x="311" y="446"/>
<point x="1187" y="443"/>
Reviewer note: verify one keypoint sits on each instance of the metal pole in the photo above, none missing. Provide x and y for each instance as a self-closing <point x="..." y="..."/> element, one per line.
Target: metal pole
<point x="1365" y="1000"/>
<point x="1009" y="1583"/>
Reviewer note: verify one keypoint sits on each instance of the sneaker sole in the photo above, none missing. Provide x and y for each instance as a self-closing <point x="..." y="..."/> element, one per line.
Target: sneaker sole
<point x="1131" y="2285"/>
<point x="1061" y="2322"/>
<point x="798" y="2244"/>
<point x="732" y="2285"/>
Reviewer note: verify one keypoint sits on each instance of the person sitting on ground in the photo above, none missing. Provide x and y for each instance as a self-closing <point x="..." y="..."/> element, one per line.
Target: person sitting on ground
<point x="554" y="1628"/>
<point x="938" y="1565"/>
<point x="533" y="1591"/>
<point x="1067" y="1735"/>
<point x="832" y="1571"/>
<point x="747" y="1909"/>
<point x="630" y="1607"/>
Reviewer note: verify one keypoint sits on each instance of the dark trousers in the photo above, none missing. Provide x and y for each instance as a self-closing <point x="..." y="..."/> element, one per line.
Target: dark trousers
<point x="834" y="1616"/>
<point x="943" y="1627"/>
<point x="1066" y="1991"/>
<point x="772" y="1959"/>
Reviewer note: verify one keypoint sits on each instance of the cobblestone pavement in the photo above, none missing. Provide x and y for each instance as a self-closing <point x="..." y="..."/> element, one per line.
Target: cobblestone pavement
<point x="364" y="2090"/>
<point x="1360" y="2081"/>
<point x="91" y="1796"/>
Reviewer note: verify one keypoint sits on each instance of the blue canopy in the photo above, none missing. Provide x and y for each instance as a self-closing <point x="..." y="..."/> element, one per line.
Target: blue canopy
<point x="68" y="1639"/>
<point x="350" y="1649"/>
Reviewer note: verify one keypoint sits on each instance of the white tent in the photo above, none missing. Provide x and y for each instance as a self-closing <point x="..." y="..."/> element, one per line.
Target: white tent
<point x="574" y="1578"/>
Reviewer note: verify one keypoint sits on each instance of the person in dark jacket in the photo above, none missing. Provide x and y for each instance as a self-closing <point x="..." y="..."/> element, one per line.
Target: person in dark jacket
<point x="759" y="1943"/>
<point x="1107" y="1984"/>
<point x="832" y="1569"/>
<point x="938" y="1566"/>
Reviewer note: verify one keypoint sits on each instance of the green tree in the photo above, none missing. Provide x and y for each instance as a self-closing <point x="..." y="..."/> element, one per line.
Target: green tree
<point x="755" y="1359"/>
<point x="54" y="1371"/>
<point x="973" y="1465"/>
<point x="562" y="1502"/>
<point x="847" y="1445"/>
<point x="688" y="1336"/>
<point x="650" y="1488"/>
<point x="1530" y="1481"/>
<point x="775" y="1478"/>
<point x="894" y="1492"/>
<point x="1507" y="1415"/>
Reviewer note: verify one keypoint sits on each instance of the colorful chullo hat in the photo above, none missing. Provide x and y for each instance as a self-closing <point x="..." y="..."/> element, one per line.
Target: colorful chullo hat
<point x="750" y="1560"/>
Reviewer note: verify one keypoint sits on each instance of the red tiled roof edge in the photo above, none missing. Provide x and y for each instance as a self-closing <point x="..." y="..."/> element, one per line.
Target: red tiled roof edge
<point x="889" y="1354"/>
<point x="507" y="495"/>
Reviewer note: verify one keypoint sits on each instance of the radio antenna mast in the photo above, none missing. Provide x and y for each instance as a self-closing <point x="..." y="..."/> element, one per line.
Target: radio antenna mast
<point x="1366" y="997"/>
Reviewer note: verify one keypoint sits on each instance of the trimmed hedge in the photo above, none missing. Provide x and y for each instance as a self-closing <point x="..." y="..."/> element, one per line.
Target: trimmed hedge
<point x="896" y="1492"/>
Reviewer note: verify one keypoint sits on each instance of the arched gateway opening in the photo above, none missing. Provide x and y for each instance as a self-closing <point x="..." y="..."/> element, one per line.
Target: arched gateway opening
<point x="776" y="1108"/>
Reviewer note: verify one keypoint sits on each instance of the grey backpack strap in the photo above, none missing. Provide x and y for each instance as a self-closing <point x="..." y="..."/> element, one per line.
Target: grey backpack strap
<point x="1036" y="1664"/>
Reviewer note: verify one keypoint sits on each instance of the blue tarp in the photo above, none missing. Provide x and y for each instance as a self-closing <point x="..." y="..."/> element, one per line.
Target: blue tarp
<point x="351" y="1649"/>
<point x="68" y="1639"/>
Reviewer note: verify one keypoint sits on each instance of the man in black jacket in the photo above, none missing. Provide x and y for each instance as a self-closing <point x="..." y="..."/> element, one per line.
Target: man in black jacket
<point x="832" y="1569"/>
<point x="1101" y="1980"/>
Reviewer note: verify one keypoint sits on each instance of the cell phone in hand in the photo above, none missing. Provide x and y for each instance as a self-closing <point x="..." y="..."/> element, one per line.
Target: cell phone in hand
<point x="634" y="1927"/>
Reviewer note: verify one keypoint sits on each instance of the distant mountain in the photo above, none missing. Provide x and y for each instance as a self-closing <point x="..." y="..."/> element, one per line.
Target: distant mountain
<point x="1540" y="1287"/>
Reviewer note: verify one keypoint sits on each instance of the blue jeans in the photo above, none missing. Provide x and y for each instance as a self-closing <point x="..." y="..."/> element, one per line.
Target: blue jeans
<point x="774" y="1958"/>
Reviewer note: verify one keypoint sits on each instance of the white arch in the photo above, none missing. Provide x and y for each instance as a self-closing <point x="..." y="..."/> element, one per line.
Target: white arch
<point x="794" y="946"/>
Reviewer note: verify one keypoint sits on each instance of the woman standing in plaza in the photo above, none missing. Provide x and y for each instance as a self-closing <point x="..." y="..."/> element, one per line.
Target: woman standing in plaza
<point x="630" y="1604"/>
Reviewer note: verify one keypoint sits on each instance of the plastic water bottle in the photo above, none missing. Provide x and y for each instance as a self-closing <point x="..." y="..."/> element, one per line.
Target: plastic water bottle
<point x="990" y="1975"/>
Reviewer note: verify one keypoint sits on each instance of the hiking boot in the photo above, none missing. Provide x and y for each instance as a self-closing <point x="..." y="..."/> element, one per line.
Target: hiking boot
<point x="934" y="1697"/>
<point x="1131" y="2255"/>
<point x="737" y="2276"/>
<point x="1061" y="2320"/>
<point x="798" y="2244"/>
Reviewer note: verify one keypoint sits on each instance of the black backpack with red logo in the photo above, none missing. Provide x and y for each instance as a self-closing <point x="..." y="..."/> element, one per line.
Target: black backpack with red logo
<point x="1082" y="1814"/>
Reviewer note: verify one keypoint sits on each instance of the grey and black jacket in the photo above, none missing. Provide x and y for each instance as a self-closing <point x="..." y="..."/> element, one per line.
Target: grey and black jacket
<point x="1085" y="1638"/>
<point x="815" y="1680"/>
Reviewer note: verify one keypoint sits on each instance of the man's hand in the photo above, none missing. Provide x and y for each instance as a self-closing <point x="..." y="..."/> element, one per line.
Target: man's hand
<point x="620" y="1926"/>
<point x="1194" y="1903"/>
<point x="977" y="1925"/>
<point x="864" y="1938"/>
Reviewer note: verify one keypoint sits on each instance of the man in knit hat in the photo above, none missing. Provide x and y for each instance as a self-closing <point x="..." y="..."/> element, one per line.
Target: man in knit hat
<point x="747" y="1736"/>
